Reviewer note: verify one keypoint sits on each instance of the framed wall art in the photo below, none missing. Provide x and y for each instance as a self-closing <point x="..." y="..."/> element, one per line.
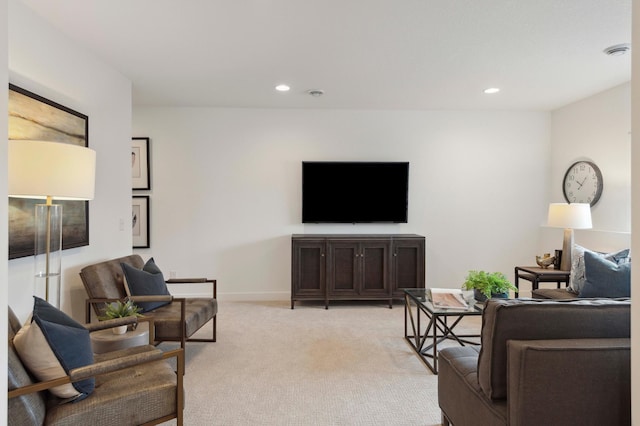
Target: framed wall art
<point x="140" y="169"/>
<point x="32" y="117"/>
<point x="140" y="221"/>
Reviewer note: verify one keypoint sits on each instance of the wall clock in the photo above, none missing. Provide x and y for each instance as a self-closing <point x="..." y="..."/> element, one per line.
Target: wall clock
<point x="582" y="183"/>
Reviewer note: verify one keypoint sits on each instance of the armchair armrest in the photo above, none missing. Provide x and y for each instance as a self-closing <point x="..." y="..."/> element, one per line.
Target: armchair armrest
<point x="196" y="281"/>
<point x="112" y="365"/>
<point x="159" y="298"/>
<point x="116" y="322"/>
<point x="569" y="381"/>
<point x="105" y="367"/>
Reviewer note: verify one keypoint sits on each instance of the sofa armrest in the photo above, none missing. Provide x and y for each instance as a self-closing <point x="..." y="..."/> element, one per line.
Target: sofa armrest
<point x="569" y="381"/>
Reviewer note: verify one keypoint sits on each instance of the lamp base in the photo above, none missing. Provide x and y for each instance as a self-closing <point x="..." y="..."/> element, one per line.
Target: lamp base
<point x="567" y="247"/>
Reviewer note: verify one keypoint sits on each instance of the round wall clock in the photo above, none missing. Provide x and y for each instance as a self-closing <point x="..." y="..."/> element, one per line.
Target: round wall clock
<point x="582" y="183"/>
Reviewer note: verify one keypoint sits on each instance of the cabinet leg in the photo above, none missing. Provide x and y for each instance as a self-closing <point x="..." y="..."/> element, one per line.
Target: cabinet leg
<point x="292" y="303"/>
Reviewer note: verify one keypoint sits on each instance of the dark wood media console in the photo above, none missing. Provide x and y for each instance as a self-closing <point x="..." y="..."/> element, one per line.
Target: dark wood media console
<point x="355" y="267"/>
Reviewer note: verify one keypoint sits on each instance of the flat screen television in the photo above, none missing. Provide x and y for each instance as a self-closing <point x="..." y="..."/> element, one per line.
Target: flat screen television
<point x="354" y="192"/>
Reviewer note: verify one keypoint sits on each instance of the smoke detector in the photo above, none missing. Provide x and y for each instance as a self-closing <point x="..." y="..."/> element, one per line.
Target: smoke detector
<point x="316" y="93"/>
<point x="618" y="49"/>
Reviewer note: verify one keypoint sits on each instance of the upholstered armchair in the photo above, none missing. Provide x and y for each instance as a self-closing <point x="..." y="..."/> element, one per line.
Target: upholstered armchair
<point x="133" y="386"/>
<point x="176" y="320"/>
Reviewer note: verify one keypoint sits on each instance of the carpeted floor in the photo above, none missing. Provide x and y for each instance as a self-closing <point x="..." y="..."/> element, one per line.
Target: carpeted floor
<point x="271" y="365"/>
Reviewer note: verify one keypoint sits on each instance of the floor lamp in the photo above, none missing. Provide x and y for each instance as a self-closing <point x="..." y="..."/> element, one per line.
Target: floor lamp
<point x="570" y="217"/>
<point x="50" y="170"/>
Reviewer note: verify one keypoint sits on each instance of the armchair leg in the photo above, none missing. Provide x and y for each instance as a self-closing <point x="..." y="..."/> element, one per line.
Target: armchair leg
<point x="445" y="421"/>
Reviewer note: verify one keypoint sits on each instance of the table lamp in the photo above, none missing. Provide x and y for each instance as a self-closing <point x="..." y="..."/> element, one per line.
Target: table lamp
<point x="50" y="170"/>
<point x="569" y="216"/>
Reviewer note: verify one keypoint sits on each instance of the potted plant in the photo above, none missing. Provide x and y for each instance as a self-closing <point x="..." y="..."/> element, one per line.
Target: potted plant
<point x="120" y="310"/>
<point x="488" y="285"/>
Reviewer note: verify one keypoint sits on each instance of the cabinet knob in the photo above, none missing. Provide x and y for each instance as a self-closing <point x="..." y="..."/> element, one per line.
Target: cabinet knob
<point x="322" y="255"/>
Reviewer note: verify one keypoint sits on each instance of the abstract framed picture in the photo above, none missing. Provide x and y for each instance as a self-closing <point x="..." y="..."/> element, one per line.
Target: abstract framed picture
<point x="140" y="170"/>
<point x="140" y="221"/>
<point x="33" y="117"/>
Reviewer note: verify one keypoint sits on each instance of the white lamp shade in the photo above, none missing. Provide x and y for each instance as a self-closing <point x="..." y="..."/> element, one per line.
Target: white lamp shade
<point x="573" y="216"/>
<point x="38" y="169"/>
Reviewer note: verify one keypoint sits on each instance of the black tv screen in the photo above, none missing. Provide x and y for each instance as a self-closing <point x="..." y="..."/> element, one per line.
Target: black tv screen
<point x="354" y="192"/>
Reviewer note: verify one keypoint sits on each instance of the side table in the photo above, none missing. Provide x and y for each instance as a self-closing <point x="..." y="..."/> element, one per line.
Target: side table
<point x="540" y="275"/>
<point x="417" y="308"/>
<point x="105" y="341"/>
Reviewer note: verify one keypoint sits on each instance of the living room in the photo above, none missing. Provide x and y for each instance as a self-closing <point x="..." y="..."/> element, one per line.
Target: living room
<point x="225" y="193"/>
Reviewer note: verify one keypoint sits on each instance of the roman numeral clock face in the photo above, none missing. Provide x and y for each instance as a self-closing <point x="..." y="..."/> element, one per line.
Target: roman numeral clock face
<point x="582" y="183"/>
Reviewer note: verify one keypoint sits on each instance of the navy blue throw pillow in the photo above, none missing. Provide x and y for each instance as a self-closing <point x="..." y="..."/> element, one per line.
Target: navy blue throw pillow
<point x="147" y="281"/>
<point x="53" y="344"/>
<point x="605" y="278"/>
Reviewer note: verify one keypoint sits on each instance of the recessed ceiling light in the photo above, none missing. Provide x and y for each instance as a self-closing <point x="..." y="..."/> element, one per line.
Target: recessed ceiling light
<point x="618" y="49"/>
<point x="282" y="88"/>
<point x="491" y="90"/>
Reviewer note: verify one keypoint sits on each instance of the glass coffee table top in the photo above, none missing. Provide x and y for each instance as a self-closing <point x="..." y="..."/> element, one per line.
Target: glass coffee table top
<point x="422" y="296"/>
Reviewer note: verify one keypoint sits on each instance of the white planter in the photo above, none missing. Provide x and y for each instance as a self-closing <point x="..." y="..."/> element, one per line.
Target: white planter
<point x="121" y="329"/>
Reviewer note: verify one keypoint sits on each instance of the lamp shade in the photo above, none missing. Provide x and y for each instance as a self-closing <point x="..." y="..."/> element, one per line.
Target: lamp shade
<point x="573" y="216"/>
<point x="41" y="169"/>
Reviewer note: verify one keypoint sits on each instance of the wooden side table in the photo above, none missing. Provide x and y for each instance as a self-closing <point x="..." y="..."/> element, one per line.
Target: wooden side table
<point x="105" y="341"/>
<point x="539" y="275"/>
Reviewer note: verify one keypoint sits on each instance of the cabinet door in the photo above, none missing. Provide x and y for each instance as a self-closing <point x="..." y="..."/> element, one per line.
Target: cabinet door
<point x="408" y="265"/>
<point x="308" y="269"/>
<point x="374" y="269"/>
<point x="343" y="268"/>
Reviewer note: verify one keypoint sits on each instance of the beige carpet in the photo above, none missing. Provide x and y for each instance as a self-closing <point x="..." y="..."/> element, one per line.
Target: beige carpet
<point x="348" y="365"/>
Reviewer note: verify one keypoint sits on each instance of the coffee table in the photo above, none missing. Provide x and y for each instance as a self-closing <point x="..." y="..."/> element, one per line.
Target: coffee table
<point x="424" y="341"/>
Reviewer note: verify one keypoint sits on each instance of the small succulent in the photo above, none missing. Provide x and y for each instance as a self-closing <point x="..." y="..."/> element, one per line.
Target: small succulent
<point x="119" y="310"/>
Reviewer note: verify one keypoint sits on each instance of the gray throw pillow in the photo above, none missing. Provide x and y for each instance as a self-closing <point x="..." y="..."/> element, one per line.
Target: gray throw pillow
<point x="147" y="281"/>
<point x="605" y="278"/>
<point x="578" y="274"/>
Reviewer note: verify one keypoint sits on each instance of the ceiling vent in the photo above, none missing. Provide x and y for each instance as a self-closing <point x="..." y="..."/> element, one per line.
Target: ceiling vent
<point x="618" y="49"/>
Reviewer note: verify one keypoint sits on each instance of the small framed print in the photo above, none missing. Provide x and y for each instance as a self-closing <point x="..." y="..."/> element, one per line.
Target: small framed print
<point x="140" y="165"/>
<point x="140" y="221"/>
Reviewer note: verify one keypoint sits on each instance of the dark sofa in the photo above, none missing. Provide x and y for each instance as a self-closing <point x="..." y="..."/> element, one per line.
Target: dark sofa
<point x="542" y="362"/>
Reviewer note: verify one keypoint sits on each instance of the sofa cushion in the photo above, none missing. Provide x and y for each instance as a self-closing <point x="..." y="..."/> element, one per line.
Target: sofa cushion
<point x="553" y="293"/>
<point x="534" y="319"/>
<point x="51" y="345"/>
<point x="578" y="273"/>
<point x="605" y="278"/>
<point x="147" y="281"/>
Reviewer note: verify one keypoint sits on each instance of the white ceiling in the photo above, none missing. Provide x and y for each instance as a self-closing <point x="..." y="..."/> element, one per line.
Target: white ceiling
<point x="365" y="54"/>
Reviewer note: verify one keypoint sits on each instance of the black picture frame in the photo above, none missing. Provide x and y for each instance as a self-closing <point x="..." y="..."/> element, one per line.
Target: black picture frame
<point x="140" y="164"/>
<point x="140" y="221"/>
<point x="33" y="117"/>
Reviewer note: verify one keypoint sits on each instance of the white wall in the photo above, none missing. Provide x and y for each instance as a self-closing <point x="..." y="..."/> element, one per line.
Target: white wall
<point x="635" y="221"/>
<point x="226" y="191"/>
<point x="597" y="129"/>
<point x="4" y="94"/>
<point x="44" y="61"/>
